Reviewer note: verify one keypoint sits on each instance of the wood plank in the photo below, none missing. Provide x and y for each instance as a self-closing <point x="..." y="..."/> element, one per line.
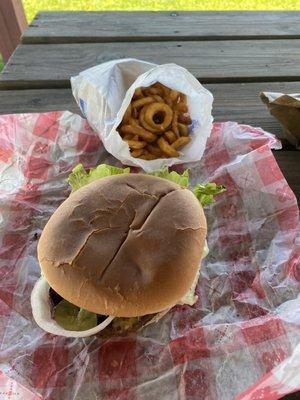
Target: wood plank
<point x="232" y="102"/>
<point x="50" y="66"/>
<point x="292" y="396"/>
<point x="240" y="102"/>
<point x="68" y="27"/>
<point x="36" y="100"/>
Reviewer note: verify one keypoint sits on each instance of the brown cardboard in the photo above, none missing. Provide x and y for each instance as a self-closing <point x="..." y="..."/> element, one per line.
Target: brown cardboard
<point x="286" y="109"/>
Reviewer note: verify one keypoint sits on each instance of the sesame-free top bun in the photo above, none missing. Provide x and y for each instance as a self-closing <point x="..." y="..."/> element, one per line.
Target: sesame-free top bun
<point x="125" y="245"/>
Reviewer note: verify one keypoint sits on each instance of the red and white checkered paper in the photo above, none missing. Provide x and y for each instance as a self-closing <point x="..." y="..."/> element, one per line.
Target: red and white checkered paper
<point x="238" y="341"/>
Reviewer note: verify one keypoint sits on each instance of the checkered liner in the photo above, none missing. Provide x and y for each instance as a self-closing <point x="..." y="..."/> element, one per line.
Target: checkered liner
<point x="243" y="330"/>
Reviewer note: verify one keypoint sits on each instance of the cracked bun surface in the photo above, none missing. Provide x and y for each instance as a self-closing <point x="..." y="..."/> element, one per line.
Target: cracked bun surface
<point x="125" y="245"/>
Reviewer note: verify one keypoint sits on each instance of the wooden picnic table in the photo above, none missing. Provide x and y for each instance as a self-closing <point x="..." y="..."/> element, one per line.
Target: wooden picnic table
<point x="234" y="54"/>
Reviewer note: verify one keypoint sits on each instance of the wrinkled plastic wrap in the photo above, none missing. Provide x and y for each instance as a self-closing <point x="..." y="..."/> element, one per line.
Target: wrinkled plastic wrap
<point x="238" y="341"/>
<point x="104" y="92"/>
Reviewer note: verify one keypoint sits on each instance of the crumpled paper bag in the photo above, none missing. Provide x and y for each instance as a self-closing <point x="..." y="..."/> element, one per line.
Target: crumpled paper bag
<point x="104" y="92"/>
<point x="244" y="329"/>
<point x="286" y="109"/>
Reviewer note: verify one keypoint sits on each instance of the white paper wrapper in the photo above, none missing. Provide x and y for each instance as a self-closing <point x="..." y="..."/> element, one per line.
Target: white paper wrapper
<point x="104" y="92"/>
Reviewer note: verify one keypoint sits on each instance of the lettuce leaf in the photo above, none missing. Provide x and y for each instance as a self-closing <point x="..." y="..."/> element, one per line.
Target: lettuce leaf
<point x="79" y="177"/>
<point x="180" y="179"/>
<point x="205" y="193"/>
<point x="122" y="324"/>
<point x="73" y="318"/>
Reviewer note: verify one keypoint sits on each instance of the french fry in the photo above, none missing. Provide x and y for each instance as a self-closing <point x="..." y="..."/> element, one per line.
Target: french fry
<point x="183" y="129"/>
<point x="174" y="94"/>
<point x="138" y="94"/>
<point x="166" y="148"/>
<point x="133" y="121"/>
<point x="144" y="123"/>
<point x="182" y="99"/>
<point x="154" y="109"/>
<point x="168" y="101"/>
<point x="134" y="113"/>
<point x="170" y="136"/>
<point x="158" y="98"/>
<point x="182" y="141"/>
<point x="181" y="103"/>
<point x="137" y="153"/>
<point x="149" y="91"/>
<point x="181" y="107"/>
<point x="166" y="90"/>
<point x="135" y="144"/>
<point x="184" y="118"/>
<point x="175" y="123"/>
<point x="137" y="130"/>
<point x="142" y="102"/>
<point x="128" y="137"/>
<point x="153" y="149"/>
<point x="127" y="114"/>
<point x="155" y="124"/>
<point x="148" y="156"/>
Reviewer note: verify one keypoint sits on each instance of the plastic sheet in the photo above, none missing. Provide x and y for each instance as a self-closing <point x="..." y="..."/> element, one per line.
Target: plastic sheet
<point x="246" y="322"/>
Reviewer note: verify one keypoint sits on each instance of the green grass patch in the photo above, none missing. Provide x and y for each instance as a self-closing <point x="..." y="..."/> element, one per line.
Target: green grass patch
<point x="33" y="6"/>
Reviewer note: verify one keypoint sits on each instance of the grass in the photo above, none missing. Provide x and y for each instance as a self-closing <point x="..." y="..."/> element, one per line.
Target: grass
<point x="33" y="6"/>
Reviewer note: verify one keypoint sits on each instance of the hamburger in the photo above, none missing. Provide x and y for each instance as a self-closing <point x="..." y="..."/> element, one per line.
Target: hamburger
<point x="120" y="251"/>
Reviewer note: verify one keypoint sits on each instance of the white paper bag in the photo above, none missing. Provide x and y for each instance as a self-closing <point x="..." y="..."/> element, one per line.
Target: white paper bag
<point x="104" y="92"/>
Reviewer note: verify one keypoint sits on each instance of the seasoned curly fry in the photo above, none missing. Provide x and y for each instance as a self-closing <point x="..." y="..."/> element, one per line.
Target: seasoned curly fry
<point x="127" y="114"/>
<point x="183" y="129"/>
<point x="158" y="98"/>
<point x="135" y="113"/>
<point x="182" y="141"/>
<point x="152" y="90"/>
<point x="137" y="153"/>
<point x="135" y="144"/>
<point x="137" y="130"/>
<point x="147" y="156"/>
<point x="155" y="123"/>
<point x="144" y="123"/>
<point x="138" y="93"/>
<point x="181" y="103"/>
<point x="133" y="121"/>
<point x="142" y="102"/>
<point x="184" y="118"/>
<point x="174" y="94"/>
<point x="154" y="150"/>
<point x="175" y="123"/>
<point x="181" y="107"/>
<point x="166" y="148"/>
<point x="170" y="136"/>
<point x="155" y="109"/>
<point x="128" y="136"/>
